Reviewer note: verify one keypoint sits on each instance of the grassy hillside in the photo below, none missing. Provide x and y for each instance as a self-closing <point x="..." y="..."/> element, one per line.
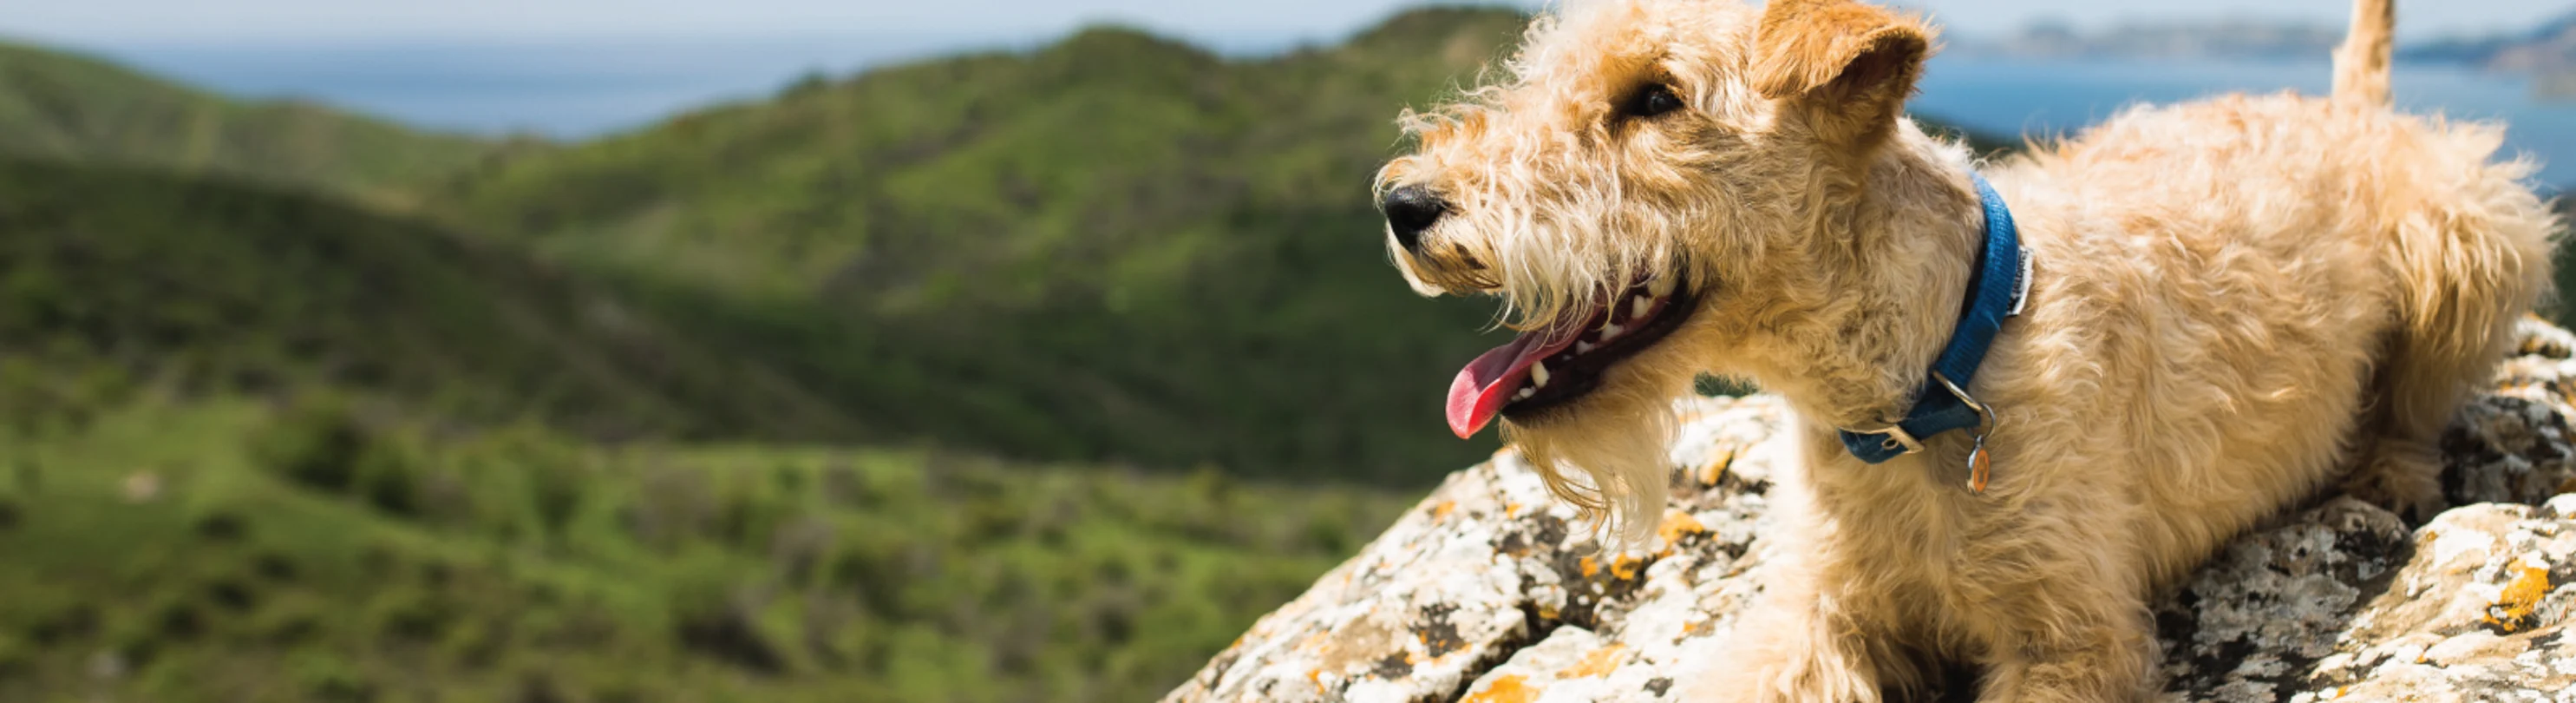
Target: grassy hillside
<point x="263" y="444"/>
<point x="226" y="551"/>
<point x="1117" y="247"/>
<point x="255" y="445"/>
<point x="114" y="279"/>
<point x="63" y="106"/>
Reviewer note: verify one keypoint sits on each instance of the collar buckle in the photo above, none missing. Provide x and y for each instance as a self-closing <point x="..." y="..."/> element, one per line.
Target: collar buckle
<point x="1893" y="438"/>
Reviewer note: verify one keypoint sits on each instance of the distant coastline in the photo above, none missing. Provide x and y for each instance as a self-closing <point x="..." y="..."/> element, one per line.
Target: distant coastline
<point x="2234" y="39"/>
<point x="2046" y="97"/>
<point x="2545" y="54"/>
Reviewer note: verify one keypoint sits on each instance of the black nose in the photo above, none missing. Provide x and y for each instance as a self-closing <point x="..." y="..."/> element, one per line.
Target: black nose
<point x="1409" y="211"/>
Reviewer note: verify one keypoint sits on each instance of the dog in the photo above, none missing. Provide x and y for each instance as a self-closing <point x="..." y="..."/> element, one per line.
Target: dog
<point x="2181" y="322"/>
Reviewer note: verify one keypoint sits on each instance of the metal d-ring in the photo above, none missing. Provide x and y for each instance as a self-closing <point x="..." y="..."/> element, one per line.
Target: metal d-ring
<point x="1978" y="462"/>
<point x="1985" y="416"/>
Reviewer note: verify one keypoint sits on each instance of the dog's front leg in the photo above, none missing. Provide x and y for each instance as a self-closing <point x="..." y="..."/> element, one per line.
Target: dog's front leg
<point x="1796" y="645"/>
<point x="2071" y="643"/>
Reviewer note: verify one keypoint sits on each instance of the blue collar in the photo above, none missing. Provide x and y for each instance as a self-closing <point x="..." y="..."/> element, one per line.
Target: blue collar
<point x="1995" y="291"/>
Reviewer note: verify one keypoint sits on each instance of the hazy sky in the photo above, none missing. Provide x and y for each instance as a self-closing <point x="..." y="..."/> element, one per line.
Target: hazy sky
<point x="303" y="21"/>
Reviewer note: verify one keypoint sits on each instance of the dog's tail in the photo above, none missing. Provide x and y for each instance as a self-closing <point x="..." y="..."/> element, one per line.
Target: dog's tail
<point x="2361" y="64"/>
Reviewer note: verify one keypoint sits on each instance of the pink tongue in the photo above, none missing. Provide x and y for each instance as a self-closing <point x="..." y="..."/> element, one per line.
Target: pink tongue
<point x="1487" y="383"/>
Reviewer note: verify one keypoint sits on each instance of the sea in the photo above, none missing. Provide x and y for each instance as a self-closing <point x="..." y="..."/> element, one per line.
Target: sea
<point x="577" y="90"/>
<point x="567" y="89"/>
<point x="2008" y="96"/>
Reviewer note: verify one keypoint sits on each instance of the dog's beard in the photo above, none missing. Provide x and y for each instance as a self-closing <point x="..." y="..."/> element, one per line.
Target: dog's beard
<point x="1609" y="455"/>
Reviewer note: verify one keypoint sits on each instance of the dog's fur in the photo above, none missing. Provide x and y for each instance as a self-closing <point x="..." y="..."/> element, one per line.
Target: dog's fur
<point x="2237" y="303"/>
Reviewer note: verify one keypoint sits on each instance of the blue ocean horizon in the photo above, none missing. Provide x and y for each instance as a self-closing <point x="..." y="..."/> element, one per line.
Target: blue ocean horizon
<point x="567" y="90"/>
<point x="2045" y="98"/>
<point x="582" y="90"/>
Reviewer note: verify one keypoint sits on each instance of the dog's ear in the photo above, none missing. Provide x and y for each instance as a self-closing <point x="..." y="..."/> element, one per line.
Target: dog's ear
<point x="1850" y="66"/>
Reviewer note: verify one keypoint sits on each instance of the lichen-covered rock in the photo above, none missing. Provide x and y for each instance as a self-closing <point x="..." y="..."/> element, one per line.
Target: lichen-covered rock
<point x="1489" y="591"/>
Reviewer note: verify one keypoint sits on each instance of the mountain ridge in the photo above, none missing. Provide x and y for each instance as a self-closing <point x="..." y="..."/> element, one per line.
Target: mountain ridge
<point x="63" y="105"/>
<point x="205" y="283"/>
<point x="1114" y="247"/>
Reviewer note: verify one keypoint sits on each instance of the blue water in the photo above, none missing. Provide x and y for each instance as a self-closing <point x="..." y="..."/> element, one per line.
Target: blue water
<point x="563" y="89"/>
<point x="2014" y="96"/>
<point x="567" y="90"/>
<point x="580" y="90"/>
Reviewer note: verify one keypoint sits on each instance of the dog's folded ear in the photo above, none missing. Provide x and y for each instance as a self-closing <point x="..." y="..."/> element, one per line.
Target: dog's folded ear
<point x="1850" y="64"/>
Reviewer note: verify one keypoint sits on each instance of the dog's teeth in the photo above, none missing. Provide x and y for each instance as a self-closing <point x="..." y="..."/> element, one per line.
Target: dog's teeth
<point x="1610" y="331"/>
<point x="1639" y="307"/>
<point x="1526" y="392"/>
<point x="1660" y="287"/>
<point x="1538" y="373"/>
<point x="1581" y="347"/>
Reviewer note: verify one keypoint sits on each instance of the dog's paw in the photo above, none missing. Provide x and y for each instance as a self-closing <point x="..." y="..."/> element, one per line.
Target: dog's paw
<point x="1777" y="670"/>
<point x="2408" y="483"/>
<point x="1734" y="683"/>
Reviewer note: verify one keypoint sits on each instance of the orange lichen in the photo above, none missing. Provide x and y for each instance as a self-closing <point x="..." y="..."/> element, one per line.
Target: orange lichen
<point x="1715" y="469"/>
<point x="1600" y="662"/>
<point x="1625" y="567"/>
<point x="1314" y="642"/>
<point x="1590" y="567"/>
<point x="1441" y="511"/>
<point x="1512" y="688"/>
<point x="1678" y="524"/>
<point x="2516" y="607"/>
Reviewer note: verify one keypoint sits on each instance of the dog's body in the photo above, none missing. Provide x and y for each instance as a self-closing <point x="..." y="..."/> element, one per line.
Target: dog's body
<point x="2210" y="336"/>
<point x="2236" y="303"/>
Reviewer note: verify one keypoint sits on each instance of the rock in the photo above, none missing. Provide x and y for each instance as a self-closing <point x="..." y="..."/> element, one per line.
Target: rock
<point x="1490" y="592"/>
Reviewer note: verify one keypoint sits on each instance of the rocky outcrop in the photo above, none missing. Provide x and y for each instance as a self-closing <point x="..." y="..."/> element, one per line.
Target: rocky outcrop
<point x="1489" y="592"/>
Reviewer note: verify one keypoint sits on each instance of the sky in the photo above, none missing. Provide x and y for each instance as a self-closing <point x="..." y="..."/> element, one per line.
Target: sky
<point x="216" y="22"/>
<point x="581" y="68"/>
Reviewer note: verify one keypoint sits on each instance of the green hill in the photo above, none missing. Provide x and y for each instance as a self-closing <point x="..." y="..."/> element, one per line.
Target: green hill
<point x="116" y="281"/>
<point x="1113" y="248"/>
<point x="225" y="551"/>
<point x="257" y="445"/>
<point x="63" y="106"/>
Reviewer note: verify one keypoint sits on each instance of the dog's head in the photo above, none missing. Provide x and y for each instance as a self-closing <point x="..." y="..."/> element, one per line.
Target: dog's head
<point x="1650" y="188"/>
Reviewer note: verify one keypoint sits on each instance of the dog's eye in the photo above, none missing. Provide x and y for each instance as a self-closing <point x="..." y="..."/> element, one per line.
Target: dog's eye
<point x="1654" y="100"/>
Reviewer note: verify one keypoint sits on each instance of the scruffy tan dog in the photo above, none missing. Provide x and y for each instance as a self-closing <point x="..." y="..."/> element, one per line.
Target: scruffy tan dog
<point x="2232" y="305"/>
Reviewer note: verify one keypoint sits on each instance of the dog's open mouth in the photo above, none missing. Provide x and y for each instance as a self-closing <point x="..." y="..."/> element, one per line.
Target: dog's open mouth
<point x="1551" y="366"/>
